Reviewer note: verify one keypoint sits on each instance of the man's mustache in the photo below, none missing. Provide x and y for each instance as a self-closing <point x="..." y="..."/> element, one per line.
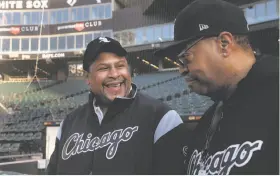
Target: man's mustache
<point x="114" y="80"/>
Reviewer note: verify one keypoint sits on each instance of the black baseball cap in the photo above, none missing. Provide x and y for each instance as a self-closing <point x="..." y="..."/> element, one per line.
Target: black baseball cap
<point x="204" y="18"/>
<point x="99" y="45"/>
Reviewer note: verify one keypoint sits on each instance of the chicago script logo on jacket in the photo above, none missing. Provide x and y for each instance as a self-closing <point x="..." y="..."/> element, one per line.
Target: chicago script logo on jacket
<point x="222" y="162"/>
<point x="91" y="144"/>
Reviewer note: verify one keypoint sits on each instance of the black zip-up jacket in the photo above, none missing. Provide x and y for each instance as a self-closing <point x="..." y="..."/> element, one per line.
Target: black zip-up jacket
<point x="246" y="140"/>
<point x="138" y="135"/>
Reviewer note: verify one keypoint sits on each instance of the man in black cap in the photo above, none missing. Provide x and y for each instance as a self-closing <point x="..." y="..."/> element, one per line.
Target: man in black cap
<point x="239" y="134"/>
<point x="119" y="131"/>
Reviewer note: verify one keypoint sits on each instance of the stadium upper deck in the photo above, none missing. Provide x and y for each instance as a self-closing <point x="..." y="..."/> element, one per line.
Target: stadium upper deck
<point x="61" y="29"/>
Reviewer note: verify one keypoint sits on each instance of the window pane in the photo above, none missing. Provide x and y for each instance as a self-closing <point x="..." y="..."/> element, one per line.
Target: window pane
<point x="6" y="45"/>
<point x="166" y="32"/>
<point x="94" y="13"/>
<point x="96" y="35"/>
<point x="61" y="43"/>
<point x="34" y="44"/>
<point x="53" y="17"/>
<point x="8" y="17"/>
<point x="250" y="14"/>
<point x="149" y="34"/>
<point x="24" y="44"/>
<point x="70" y="42"/>
<point x="26" y="18"/>
<point x="88" y="38"/>
<point x="16" y="18"/>
<point x="15" y="44"/>
<point x="260" y="11"/>
<point x="73" y="15"/>
<point x="79" y="41"/>
<point x="80" y="16"/>
<point x="107" y="34"/>
<point x="101" y="12"/>
<point x="158" y="36"/>
<point x="139" y="36"/>
<point x="65" y="16"/>
<point x="86" y="13"/>
<point x="108" y="11"/>
<point x="59" y="16"/>
<point x="271" y="10"/>
<point x="1" y="19"/>
<point x="44" y="44"/>
<point x="46" y="18"/>
<point x="35" y="18"/>
<point x="53" y="43"/>
<point x="172" y="30"/>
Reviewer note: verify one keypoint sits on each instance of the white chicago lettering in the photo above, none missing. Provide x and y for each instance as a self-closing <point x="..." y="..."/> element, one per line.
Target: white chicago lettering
<point x="75" y="144"/>
<point x="222" y="162"/>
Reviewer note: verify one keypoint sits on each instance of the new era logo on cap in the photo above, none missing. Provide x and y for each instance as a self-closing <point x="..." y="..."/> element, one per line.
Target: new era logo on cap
<point x="203" y="27"/>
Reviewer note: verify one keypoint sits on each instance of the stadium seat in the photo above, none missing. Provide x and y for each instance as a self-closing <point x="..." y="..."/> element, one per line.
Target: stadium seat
<point x="14" y="147"/>
<point x="28" y="136"/>
<point x="5" y="147"/>
<point x="37" y="136"/>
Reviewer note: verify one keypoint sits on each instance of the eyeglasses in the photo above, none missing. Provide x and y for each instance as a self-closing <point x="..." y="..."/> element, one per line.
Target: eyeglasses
<point x="182" y="55"/>
<point x="189" y="45"/>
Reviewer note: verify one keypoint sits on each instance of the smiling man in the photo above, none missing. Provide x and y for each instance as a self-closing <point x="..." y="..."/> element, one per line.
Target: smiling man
<point x="119" y="131"/>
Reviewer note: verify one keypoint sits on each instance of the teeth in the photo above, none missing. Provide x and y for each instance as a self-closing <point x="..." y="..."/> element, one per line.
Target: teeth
<point x="114" y="85"/>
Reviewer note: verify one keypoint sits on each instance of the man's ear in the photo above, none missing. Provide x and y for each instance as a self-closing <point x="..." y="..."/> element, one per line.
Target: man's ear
<point x="86" y="74"/>
<point x="226" y="43"/>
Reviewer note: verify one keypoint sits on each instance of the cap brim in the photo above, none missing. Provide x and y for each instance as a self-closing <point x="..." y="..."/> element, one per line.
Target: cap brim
<point x="113" y="48"/>
<point x="173" y="50"/>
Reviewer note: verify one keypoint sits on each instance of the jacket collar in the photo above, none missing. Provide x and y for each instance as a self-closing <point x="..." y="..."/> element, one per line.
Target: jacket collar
<point x="118" y="105"/>
<point x="265" y="67"/>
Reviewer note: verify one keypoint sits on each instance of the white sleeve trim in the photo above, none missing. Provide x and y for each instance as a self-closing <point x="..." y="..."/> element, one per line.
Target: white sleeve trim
<point x="168" y="122"/>
<point x="58" y="136"/>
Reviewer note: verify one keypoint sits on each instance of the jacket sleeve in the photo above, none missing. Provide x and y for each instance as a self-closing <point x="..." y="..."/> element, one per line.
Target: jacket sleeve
<point x="52" y="166"/>
<point x="169" y="144"/>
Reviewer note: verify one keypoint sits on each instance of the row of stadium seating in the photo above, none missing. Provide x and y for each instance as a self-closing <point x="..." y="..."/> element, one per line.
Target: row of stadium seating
<point x="165" y="91"/>
<point x="9" y="147"/>
<point x="12" y="88"/>
<point x="20" y="136"/>
<point x="55" y="102"/>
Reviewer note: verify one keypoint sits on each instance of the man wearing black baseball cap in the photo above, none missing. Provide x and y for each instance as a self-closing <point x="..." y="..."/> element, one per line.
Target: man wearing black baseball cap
<point x="239" y="134"/>
<point x="119" y="131"/>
